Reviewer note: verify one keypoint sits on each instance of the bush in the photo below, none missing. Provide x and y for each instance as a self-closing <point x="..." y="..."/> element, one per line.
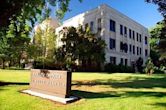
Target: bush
<point x="118" y="68"/>
<point x="149" y="69"/>
<point x="43" y="63"/>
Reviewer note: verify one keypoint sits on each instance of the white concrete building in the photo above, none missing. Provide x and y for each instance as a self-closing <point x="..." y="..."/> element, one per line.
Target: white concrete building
<point x="126" y="39"/>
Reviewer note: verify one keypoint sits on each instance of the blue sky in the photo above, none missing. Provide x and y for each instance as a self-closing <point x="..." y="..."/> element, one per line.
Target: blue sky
<point x="144" y="13"/>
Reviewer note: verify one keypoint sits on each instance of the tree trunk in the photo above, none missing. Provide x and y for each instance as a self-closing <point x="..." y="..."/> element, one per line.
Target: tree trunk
<point x="3" y="64"/>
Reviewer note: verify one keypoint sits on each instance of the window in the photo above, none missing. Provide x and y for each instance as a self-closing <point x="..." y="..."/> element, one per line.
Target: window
<point x="137" y="50"/>
<point x="112" y="43"/>
<point x="99" y="24"/>
<point x="125" y="62"/>
<point x="130" y="48"/>
<point x="133" y="49"/>
<point x="125" y="31"/>
<point x="133" y="35"/>
<point x="146" y="52"/>
<point x="130" y="33"/>
<point x="112" y="25"/>
<point x="140" y="51"/>
<point x="113" y="60"/>
<point x="121" y="46"/>
<point x="91" y="25"/>
<point x="121" y="61"/>
<point x="146" y="40"/>
<point x="137" y="37"/>
<point x="121" y="29"/>
<point x="140" y="39"/>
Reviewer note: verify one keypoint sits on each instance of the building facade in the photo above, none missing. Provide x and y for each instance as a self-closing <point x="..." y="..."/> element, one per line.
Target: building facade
<point x="126" y="39"/>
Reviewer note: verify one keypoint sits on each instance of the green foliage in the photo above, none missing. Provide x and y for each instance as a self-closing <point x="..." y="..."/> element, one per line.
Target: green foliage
<point x="149" y="69"/>
<point x="118" y="68"/>
<point x="30" y="9"/>
<point x="45" y="41"/>
<point x="161" y="4"/>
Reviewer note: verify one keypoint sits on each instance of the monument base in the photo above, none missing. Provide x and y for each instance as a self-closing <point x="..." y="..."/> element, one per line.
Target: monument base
<point x="50" y="97"/>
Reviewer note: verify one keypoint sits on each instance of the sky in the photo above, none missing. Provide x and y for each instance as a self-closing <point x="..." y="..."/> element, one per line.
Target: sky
<point x="138" y="10"/>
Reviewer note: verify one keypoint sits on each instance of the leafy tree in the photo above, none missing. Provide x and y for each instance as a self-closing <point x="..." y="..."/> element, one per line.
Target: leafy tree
<point x="30" y="9"/>
<point x="18" y="38"/>
<point x="158" y="39"/>
<point x="161" y="4"/>
<point x="82" y="46"/>
<point x="160" y="31"/>
<point x="45" y="39"/>
<point x="3" y="50"/>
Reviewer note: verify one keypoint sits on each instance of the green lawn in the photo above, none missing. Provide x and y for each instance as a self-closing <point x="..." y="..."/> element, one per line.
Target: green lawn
<point x="98" y="91"/>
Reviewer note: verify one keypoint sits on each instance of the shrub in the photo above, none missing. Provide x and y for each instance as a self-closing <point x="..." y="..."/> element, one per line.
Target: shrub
<point x="43" y="63"/>
<point x="118" y="68"/>
<point x="149" y="69"/>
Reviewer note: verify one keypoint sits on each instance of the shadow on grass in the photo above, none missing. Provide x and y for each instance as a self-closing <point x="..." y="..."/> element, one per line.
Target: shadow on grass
<point x="134" y="83"/>
<point x="160" y="104"/>
<point x="112" y="94"/>
<point x="92" y="95"/>
<point x="12" y="83"/>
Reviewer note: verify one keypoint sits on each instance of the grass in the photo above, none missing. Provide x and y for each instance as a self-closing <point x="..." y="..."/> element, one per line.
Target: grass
<point x="99" y="91"/>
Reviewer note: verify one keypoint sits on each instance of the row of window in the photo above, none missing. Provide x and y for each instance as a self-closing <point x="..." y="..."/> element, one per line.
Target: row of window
<point x="123" y="31"/>
<point x="122" y="61"/>
<point x="124" y="47"/>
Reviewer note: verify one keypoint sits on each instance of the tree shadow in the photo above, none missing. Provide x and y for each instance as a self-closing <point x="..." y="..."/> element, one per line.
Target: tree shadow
<point x="114" y="94"/>
<point x="135" y="83"/>
<point x="92" y="95"/>
<point x="160" y="104"/>
<point x="12" y="83"/>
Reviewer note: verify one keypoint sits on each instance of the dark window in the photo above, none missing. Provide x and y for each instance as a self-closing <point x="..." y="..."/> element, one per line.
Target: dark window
<point x="133" y="49"/>
<point x="121" y="61"/>
<point x="99" y="24"/>
<point x="91" y="25"/>
<point x="133" y="35"/>
<point x="146" y="52"/>
<point x="130" y="33"/>
<point x="125" y="31"/>
<point x="146" y="40"/>
<point x="140" y="51"/>
<point x="125" y="47"/>
<point x="130" y="48"/>
<point x="137" y="50"/>
<point x="112" y="25"/>
<point x="125" y="62"/>
<point x="137" y="37"/>
<point x="113" y="60"/>
<point x="140" y="39"/>
<point x="121" y="29"/>
<point x="121" y="46"/>
<point x="112" y="43"/>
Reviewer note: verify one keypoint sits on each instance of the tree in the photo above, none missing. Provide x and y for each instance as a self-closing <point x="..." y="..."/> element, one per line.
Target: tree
<point x="4" y="52"/>
<point x="45" y="39"/>
<point x="158" y="39"/>
<point x="161" y="4"/>
<point x="82" y="46"/>
<point x="160" y="32"/>
<point x="30" y="9"/>
<point x="18" y="39"/>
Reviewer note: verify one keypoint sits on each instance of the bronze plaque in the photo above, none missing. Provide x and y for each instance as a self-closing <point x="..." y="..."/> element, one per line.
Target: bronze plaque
<point x="51" y="82"/>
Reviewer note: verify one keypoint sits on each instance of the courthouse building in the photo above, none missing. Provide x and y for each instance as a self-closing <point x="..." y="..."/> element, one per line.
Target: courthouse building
<point x="126" y="39"/>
